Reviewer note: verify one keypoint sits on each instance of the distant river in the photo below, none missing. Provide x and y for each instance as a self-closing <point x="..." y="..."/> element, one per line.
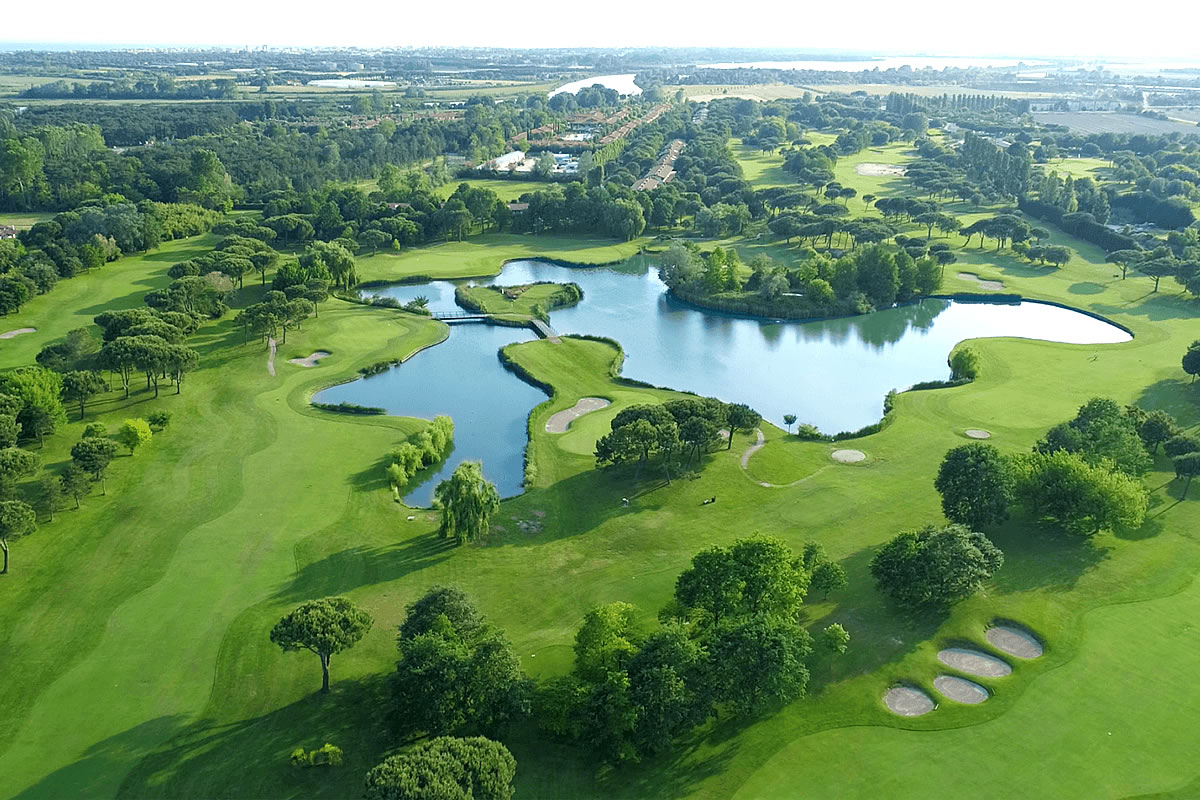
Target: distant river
<point x="831" y="373"/>
<point x="622" y="83"/>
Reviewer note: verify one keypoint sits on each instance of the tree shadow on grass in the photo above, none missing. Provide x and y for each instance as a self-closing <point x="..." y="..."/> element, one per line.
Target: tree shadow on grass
<point x="1154" y="307"/>
<point x="116" y="755"/>
<point x="679" y="772"/>
<point x="250" y="758"/>
<point x="1043" y="557"/>
<point x="135" y="299"/>
<point x="1179" y="397"/>
<point x="585" y="501"/>
<point x="357" y="567"/>
<point x="891" y="631"/>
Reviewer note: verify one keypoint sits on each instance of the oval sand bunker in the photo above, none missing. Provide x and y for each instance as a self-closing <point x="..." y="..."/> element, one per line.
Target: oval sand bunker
<point x="559" y="422"/>
<point x="876" y="170"/>
<point x="1014" y="641"/>
<point x="973" y="662"/>
<point x="16" y="332"/>
<point x="960" y="690"/>
<point x="976" y="433"/>
<point x="848" y="456"/>
<point x="907" y="701"/>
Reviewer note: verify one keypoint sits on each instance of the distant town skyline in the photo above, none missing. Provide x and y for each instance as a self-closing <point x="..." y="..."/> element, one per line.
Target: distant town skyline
<point x="1021" y="28"/>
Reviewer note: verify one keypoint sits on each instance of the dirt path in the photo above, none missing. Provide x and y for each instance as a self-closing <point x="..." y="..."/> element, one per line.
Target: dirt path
<point x="558" y="423"/>
<point x="754" y="448"/>
<point x="271" y="357"/>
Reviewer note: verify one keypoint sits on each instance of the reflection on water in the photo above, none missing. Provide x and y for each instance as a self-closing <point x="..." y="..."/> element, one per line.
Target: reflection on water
<point x="831" y="373"/>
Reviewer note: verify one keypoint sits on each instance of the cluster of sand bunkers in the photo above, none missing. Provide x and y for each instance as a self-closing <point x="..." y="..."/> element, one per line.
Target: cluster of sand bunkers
<point x="909" y="701"/>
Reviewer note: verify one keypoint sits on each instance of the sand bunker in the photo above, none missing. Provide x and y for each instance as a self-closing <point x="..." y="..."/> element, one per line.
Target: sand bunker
<point x="1014" y="641"/>
<point x="907" y="701"/>
<point x="991" y="286"/>
<point x="977" y="433"/>
<point x="310" y="361"/>
<point x="878" y="170"/>
<point x="960" y="690"/>
<point x="974" y="662"/>
<point x="16" y="332"/>
<point x="559" y="422"/>
<point x="849" y="456"/>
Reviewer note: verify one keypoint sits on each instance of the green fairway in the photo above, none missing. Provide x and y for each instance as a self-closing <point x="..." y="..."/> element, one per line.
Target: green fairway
<point x="482" y="256"/>
<point x="506" y="190"/>
<point x="138" y="662"/>
<point x="761" y="170"/>
<point x="24" y="219"/>
<point x="1094" y="168"/>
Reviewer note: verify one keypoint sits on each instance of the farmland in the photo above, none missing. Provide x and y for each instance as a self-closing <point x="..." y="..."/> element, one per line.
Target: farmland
<point x="1112" y="122"/>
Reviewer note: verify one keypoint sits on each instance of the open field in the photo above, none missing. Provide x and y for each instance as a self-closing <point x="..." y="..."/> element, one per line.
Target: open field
<point x="1183" y="115"/>
<point x="484" y="255"/>
<point x="934" y="90"/>
<point x="778" y="91"/>
<point x="508" y="191"/>
<point x="763" y="92"/>
<point x="150" y="607"/>
<point x="1111" y="122"/>
<point x="1094" y="168"/>
<point x="505" y="89"/>
<point x="24" y="219"/>
<point x="12" y="85"/>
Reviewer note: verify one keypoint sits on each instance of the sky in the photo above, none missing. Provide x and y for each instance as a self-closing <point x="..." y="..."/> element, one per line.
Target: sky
<point x="1009" y="28"/>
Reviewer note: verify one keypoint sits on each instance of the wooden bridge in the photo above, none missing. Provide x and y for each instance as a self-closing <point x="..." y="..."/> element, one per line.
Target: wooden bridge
<point x="461" y="316"/>
<point x="450" y="317"/>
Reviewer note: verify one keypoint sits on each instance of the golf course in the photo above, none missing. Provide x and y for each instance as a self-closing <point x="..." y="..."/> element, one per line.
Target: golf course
<point x="137" y="628"/>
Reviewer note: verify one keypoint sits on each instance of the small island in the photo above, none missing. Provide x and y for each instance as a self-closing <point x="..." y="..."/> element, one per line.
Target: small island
<point x="526" y="300"/>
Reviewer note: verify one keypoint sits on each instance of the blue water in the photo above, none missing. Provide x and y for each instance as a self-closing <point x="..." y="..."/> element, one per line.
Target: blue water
<point x="831" y="373"/>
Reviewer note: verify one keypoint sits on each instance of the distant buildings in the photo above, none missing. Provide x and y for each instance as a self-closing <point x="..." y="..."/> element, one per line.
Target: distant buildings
<point x="508" y="161"/>
<point x="8" y="232"/>
<point x="664" y="170"/>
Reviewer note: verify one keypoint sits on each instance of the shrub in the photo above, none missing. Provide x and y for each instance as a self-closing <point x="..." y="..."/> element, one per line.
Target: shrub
<point x="964" y="364"/>
<point x="327" y="755"/>
<point x="95" y="430"/>
<point x="159" y="420"/>
<point x="349" y="408"/>
<point x="134" y="433"/>
<point x="426" y="448"/>
<point x="810" y="433"/>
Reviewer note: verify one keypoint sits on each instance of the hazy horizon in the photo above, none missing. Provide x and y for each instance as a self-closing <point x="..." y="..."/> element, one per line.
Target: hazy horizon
<point x="1026" y="29"/>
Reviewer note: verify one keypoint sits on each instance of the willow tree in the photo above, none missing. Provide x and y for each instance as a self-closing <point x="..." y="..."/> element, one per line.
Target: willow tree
<point x="467" y="501"/>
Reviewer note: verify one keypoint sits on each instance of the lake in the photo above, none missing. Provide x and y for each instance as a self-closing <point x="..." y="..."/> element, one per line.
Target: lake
<point x="622" y="83"/>
<point x="830" y="373"/>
